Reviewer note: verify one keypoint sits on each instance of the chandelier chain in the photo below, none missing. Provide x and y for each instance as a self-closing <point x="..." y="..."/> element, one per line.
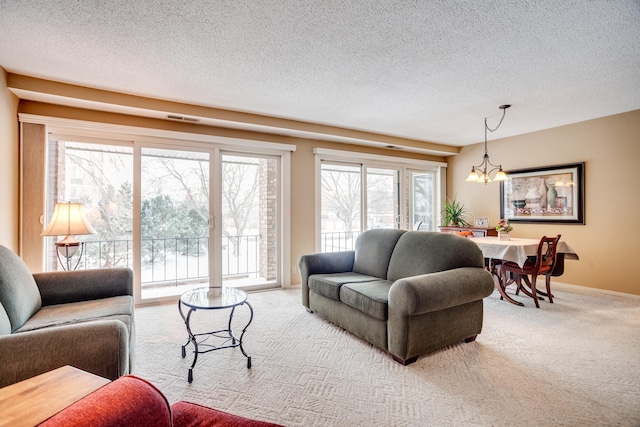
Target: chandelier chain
<point x="504" y="112"/>
<point x="480" y="173"/>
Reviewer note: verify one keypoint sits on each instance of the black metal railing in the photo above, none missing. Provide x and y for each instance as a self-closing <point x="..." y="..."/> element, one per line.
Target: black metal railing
<point x="177" y="258"/>
<point x="338" y="241"/>
<point x="182" y="259"/>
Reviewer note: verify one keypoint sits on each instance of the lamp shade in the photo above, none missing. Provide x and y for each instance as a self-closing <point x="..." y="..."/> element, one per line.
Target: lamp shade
<point x="68" y="220"/>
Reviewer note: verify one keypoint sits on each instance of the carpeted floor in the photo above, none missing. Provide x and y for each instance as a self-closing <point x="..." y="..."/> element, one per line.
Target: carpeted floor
<point x="572" y="363"/>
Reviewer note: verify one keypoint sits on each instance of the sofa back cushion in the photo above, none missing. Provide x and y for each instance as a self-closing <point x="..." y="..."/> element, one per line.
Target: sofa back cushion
<point x="373" y="251"/>
<point x="19" y="294"/>
<point x="423" y="252"/>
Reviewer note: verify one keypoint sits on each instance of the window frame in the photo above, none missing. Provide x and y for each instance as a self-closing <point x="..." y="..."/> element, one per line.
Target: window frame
<point x="367" y="160"/>
<point x="34" y="143"/>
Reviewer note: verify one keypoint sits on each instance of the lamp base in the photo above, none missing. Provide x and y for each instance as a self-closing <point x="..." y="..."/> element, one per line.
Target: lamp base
<point x="67" y="250"/>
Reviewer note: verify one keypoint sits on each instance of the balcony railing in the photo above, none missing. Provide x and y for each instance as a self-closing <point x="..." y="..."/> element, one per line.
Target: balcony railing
<point x="179" y="259"/>
<point x="338" y="241"/>
<point x="176" y="259"/>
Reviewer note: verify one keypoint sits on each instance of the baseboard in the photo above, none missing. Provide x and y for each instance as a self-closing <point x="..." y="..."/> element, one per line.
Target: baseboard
<point x="591" y="291"/>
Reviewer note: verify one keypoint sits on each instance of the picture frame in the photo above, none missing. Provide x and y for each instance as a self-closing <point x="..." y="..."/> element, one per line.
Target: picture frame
<point x="549" y="194"/>
<point x="481" y="222"/>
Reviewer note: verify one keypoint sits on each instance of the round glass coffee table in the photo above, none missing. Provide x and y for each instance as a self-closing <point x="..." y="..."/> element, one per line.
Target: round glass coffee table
<point x="213" y="298"/>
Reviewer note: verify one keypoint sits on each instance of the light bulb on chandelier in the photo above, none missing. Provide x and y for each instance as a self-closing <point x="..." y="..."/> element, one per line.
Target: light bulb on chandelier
<point x="481" y="172"/>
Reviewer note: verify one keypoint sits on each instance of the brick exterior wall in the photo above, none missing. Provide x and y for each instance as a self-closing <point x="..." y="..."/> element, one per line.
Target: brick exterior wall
<point x="268" y="185"/>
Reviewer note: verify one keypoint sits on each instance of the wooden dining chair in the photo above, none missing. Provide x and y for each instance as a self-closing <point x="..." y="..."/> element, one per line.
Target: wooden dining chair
<point x="543" y="264"/>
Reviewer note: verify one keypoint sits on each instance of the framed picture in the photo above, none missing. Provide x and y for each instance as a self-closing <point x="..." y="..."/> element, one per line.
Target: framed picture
<point x="546" y="194"/>
<point x="481" y="222"/>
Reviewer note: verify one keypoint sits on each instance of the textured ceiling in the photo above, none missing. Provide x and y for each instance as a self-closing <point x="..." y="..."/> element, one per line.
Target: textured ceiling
<point x="424" y="70"/>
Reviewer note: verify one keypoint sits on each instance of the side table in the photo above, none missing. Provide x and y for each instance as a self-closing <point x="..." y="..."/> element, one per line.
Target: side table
<point x="213" y="298"/>
<point x="36" y="399"/>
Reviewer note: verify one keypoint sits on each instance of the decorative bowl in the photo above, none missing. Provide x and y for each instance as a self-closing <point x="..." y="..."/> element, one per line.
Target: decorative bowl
<point x="518" y="203"/>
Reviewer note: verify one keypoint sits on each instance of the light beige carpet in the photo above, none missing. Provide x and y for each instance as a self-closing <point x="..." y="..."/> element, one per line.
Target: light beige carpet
<point x="572" y="363"/>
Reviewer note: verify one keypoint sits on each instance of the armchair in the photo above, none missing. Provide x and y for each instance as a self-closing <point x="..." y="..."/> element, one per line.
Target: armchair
<point x="79" y="318"/>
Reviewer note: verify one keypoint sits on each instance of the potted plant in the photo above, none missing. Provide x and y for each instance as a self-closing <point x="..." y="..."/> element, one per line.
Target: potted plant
<point x="503" y="228"/>
<point x="454" y="213"/>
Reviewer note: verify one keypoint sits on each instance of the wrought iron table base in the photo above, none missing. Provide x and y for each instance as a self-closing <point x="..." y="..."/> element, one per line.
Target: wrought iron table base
<point x="225" y="335"/>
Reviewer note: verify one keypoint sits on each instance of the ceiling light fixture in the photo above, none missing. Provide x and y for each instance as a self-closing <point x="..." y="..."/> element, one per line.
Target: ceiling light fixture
<point x="480" y="172"/>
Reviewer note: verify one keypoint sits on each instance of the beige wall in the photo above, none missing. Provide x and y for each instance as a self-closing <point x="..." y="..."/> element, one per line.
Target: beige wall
<point x="9" y="166"/>
<point x="608" y="244"/>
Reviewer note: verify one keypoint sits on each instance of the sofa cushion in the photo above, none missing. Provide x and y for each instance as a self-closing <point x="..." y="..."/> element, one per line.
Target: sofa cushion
<point x="120" y="308"/>
<point x="19" y="294"/>
<point x="187" y="414"/>
<point x="424" y="252"/>
<point x="373" y="251"/>
<point x="328" y="285"/>
<point x="371" y="298"/>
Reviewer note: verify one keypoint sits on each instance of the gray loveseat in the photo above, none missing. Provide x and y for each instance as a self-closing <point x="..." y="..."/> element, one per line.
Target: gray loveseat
<point x="406" y="292"/>
<point x="79" y="318"/>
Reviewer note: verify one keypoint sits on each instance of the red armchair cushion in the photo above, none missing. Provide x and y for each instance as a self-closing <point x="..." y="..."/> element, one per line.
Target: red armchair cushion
<point x="128" y="401"/>
<point x="187" y="414"/>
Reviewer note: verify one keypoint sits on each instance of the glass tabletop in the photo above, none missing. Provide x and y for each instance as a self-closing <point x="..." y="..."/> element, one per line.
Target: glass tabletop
<point x="213" y="297"/>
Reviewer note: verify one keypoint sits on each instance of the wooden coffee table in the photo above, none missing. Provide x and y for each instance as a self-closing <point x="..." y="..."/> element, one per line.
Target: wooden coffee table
<point x="36" y="399"/>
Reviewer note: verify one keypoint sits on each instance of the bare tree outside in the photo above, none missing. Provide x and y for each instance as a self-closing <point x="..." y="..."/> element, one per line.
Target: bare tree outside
<point x="240" y="186"/>
<point x="341" y="197"/>
<point x="382" y="198"/>
<point x="97" y="177"/>
<point x="421" y="208"/>
<point x="174" y="212"/>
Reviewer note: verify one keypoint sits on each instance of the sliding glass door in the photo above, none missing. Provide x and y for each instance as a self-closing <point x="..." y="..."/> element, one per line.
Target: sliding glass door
<point x="341" y="206"/>
<point x="383" y="198"/>
<point x="422" y="200"/>
<point x="250" y="217"/>
<point x="174" y="221"/>
<point x="181" y="216"/>
<point x="389" y="194"/>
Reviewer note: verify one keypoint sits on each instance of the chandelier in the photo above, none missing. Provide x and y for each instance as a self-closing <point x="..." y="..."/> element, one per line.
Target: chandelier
<point x="481" y="172"/>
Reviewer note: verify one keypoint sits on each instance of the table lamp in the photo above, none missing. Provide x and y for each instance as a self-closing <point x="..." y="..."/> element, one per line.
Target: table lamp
<point x="68" y="220"/>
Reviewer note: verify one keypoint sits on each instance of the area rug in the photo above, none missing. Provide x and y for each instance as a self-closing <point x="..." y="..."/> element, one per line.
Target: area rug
<point x="572" y="363"/>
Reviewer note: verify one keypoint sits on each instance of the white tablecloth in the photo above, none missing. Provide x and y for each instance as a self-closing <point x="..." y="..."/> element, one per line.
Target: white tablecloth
<point x="517" y="250"/>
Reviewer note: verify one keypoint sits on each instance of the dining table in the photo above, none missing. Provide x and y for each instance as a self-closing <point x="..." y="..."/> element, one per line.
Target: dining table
<point x="518" y="250"/>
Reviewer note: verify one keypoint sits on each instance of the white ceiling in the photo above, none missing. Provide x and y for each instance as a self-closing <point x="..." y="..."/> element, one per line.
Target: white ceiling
<point x="423" y="70"/>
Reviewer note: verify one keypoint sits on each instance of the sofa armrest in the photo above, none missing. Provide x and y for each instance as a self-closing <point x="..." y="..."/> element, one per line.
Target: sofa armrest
<point x="323" y="263"/>
<point x="437" y="291"/>
<point x="128" y="401"/>
<point x="100" y="347"/>
<point x="63" y="287"/>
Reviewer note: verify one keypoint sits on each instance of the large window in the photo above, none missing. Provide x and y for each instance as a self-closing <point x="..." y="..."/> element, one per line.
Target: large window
<point x="383" y="198"/>
<point x="341" y="206"/>
<point x="250" y="219"/>
<point x="180" y="216"/>
<point x="379" y="192"/>
<point x="99" y="176"/>
<point x="422" y="200"/>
